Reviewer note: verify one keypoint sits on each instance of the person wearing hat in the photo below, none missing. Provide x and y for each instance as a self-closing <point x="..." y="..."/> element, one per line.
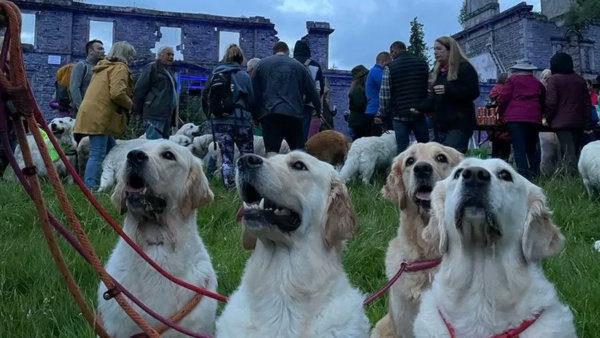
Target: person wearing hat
<point x="358" y="121"/>
<point x="521" y="105"/>
<point x="404" y="84"/>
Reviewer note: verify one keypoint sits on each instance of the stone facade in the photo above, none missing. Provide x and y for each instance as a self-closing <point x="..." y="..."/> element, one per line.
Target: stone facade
<point x="519" y="33"/>
<point x="62" y="30"/>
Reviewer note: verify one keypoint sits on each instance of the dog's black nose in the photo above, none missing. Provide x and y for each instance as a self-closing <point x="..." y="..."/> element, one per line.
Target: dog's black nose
<point x="249" y="161"/>
<point x="53" y="126"/>
<point x="476" y="176"/>
<point x="137" y="156"/>
<point x="423" y="170"/>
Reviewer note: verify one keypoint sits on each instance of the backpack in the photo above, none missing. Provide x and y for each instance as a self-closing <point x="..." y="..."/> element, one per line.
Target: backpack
<point x="63" y="79"/>
<point x="220" y="95"/>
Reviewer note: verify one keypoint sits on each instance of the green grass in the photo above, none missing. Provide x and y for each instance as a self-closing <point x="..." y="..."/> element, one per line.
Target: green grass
<point x="34" y="301"/>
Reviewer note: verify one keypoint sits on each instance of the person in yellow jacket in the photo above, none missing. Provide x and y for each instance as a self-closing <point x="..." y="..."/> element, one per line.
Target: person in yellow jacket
<point x="103" y="112"/>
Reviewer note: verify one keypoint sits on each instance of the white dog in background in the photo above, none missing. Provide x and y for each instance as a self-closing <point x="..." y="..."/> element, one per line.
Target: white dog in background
<point x="491" y="279"/>
<point x="296" y="216"/>
<point x="160" y="189"/>
<point x="367" y="154"/>
<point x="62" y="129"/>
<point x="589" y="168"/>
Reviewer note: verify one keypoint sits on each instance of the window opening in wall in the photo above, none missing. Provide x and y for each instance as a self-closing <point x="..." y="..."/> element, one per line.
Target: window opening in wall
<point x="28" y="28"/>
<point x="170" y="36"/>
<point x="103" y="31"/>
<point x="225" y="39"/>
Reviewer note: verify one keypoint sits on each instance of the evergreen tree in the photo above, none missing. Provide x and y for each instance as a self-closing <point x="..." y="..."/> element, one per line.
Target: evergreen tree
<point x="582" y="14"/>
<point x="418" y="46"/>
<point x="462" y="15"/>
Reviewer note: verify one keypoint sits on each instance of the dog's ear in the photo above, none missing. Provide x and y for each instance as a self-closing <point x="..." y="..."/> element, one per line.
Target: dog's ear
<point x="435" y="232"/>
<point x="541" y="237"/>
<point x="197" y="191"/>
<point x="394" y="189"/>
<point x="118" y="197"/>
<point x="248" y="240"/>
<point x="454" y="156"/>
<point x="341" y="223"/>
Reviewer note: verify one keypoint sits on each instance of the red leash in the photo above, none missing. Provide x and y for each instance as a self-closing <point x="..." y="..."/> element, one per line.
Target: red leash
<point x="511" y="333"/>
<point x="408" y="267"/>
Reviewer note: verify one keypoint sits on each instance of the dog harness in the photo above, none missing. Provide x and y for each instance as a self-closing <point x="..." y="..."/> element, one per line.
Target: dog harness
<point x="51" y="150"/>
<point x="511" y="333"/>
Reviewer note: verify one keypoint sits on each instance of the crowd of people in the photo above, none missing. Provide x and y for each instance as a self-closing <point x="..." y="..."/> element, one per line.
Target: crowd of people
<point x="286" y="98"/>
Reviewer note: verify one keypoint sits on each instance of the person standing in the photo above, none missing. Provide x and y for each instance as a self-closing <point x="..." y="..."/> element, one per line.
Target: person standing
<point x="280" y="85"/>
<point x="404" y="84"/>
<point x="358" y="121"/>
<point x="155" y="95"/>
<point x="373" y="88"/>
<point x="81" y="75"/>
<point x="455" y="87"/>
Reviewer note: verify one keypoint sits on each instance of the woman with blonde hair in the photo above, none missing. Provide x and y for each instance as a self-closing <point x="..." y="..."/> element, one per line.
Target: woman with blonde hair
<point x="455" y="87"/>
<point x="544" y="76"/>
<point x="104" y="109"/>
<point x="234" y="126"/>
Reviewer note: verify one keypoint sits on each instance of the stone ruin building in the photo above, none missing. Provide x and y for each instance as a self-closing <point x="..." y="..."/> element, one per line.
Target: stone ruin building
<point x="62" y="28"/>
<point x="495" y="40"/>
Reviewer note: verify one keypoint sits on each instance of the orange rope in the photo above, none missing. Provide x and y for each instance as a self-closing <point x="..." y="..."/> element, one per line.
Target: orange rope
<point x="18" y="88"/>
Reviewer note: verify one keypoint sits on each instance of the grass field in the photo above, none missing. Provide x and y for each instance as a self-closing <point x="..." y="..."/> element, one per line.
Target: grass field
<point x="34" y="301"/>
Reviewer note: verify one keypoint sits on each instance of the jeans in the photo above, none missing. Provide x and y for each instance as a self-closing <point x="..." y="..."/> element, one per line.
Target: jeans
<point x="154" y="128"/>
<point x="525" y="142"/>
<point x="453" y="138"/>
<point x="402" y="130"/>
<point x="100" y="145"/>
<point x="227" y="135"/>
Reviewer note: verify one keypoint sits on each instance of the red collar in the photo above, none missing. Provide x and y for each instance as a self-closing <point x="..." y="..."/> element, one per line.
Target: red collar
<point x="511" y="333"/>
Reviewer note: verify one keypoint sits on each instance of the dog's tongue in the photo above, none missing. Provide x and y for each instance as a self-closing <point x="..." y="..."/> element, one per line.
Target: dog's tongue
<point x="424" y="196"/>
<point x="240" y="214"/>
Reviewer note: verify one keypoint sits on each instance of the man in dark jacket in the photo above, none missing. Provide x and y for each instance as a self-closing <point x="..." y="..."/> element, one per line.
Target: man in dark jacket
<point x="404" y="84"/>
<point x="302" y="55"/>
<point x="155" y="96"/>
<point x="281" y="85"/>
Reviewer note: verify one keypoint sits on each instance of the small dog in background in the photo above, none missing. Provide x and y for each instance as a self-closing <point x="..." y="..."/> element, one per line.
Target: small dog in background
<point x="329" y="146"/>
<point x="367" y="154"/>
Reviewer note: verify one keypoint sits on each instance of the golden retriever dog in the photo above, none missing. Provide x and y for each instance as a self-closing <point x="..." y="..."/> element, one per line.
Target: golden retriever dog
<point x="296" y="216"/>
<point x="493" y="228"/>
<point x="409" y="184"/>
<point x="159" y="189"/>
<point x="329" y="146"/>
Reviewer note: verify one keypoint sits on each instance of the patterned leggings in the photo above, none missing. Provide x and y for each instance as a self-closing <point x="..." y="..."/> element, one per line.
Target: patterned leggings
<point x="227" y="135"/>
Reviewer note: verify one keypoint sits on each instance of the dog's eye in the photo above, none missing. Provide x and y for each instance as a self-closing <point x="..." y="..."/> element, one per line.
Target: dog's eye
<point x="298" y="165"/>
<point x="457" y="173"/>
<point x="167" y="155"/>
<point x="410" y="161"/>
<point x="442" y="158"/>
<point x="505" y="176"/>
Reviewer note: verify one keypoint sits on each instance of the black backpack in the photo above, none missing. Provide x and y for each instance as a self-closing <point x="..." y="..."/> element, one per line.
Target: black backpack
<point x="220" y="95"/>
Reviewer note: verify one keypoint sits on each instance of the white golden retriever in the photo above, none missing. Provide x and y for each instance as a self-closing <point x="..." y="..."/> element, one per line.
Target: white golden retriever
<point x="589" y="168"/>
<point x="410" y="182"/>
<point x="367" y="154"/>
<point x="294" y="284"/>
<point x="62" y="129"/>
<point x="189" y="129"/>
<point x="160" y="188"/>
<point x="493" y="228"/>
<point x="116" y="157"/>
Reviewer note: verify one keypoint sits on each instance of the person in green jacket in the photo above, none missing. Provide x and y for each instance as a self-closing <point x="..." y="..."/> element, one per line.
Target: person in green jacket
<point x="358" y="121"/>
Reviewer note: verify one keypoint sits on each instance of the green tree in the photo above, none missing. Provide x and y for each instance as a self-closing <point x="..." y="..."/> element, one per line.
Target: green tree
<point x="462" y="15"/>
<point x="582" y="14"/>
<point x="418" y="46"/>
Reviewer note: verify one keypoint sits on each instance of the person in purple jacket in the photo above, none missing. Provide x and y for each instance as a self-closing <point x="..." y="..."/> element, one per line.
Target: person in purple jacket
<point x="522" y="103"/>
<point x="372" y="90"/>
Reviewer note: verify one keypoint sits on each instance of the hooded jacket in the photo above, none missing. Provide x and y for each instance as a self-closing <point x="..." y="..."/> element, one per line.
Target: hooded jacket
<point x="243" y="95"/>
<point x="107" y="100"/>
<point x="301" y="54"/>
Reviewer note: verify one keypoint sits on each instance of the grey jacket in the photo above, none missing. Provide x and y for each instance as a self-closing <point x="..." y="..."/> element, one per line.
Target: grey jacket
<point x="154" y="94"/>
<point x="243" y="95"/>
<point x="280" y="84"/>
<point x="81" y="75"/>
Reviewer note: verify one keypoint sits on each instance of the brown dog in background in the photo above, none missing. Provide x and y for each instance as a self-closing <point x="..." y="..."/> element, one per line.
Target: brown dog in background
<point x="329" y="146"/>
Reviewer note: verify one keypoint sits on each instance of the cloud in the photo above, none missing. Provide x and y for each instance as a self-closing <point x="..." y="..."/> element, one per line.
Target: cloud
<point x="308" y="7"/>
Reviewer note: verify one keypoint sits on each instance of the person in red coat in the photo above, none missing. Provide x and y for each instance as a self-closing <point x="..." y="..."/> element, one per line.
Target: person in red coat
<point x="521" y="105"/>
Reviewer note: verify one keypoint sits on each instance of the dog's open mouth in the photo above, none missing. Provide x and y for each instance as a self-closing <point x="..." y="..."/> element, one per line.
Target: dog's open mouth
<point x="423" y="196"/>
<point x="263" y="210"/>
<point x="56" y="130"/>
<point x="141" y="199"/>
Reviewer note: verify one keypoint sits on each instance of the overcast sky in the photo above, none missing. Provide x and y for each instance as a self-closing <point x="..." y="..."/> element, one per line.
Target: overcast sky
<point x="363" y="28"/>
